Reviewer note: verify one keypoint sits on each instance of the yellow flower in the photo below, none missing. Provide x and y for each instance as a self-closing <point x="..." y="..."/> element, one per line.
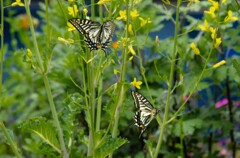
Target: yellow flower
<point x="205" y="26"/>
<point x="229" y="17"/>
<point x="115" y="71"/>
<point x="194" y="48"/>
<point x="70" y="27"/>
<point x="131" y="50"/>
<point x="70" y="1"/>
<point x="73" y="10"/>
<point x="215" y="5"/>
<point x="136" y="83"/>
<point x="191" y="2"/>
<point x="85" y="11"/>
<point x="134" y="14"/>
<point x="29" y="53"/>
<point x="213" y="32"/>
<point x="224" y="1"/>
<point x="211" y="12"/>
<point x="218" y="42"/>
<point x="144" y="22"/>
<point x="123" y="15"/>
<point x="112" y="61"/>
<point x="17" y="3"/>
<point x="130" y="30"/>
<point x="66" y="41"/>
<point x="219" y="64"/>
<point x="101" y="2"/>
<point x="130" y="58"/>
<point x="125" y="41"/>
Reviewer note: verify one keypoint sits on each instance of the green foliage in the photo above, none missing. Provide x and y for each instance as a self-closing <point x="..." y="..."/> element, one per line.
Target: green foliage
<point x="87" y="94"/>
<point x="108" y="145"/>
<point x="43" y="129"/>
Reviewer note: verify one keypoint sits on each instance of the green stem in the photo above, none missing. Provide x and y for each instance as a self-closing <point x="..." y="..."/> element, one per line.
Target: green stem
<point x="165" y="118"/>
<point x="91" y="112"/>
<point x="4" y="129"/>
<point x="142" y="70"/>
<point x="46" y="82"/>
<point x="12" y="144"/>
<point x="121" y="89"/>
<point x="99" y="105"/>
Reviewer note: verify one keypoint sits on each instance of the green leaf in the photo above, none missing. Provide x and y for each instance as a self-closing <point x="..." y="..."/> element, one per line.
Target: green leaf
<point x="44" y="129"/>
<point x="236" y="65"/>
<point x="110" y="144"/>
<point x="190" y="125"/>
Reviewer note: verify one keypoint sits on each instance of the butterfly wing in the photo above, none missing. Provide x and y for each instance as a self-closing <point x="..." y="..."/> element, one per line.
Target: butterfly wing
<point x="101" y="38"/>
<point x="85" y="26"/>
<point x="106" y="34"/>
<point x="96" y="36"/>
<point x="145" y="111"/>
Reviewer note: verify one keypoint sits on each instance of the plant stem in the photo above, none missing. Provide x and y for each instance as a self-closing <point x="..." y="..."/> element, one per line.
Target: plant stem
<point x="121" y="89"/>
<point x="12" y="144"/>
<point x="99" y="105"/>
<point x="46" y="82"/>
<point x="230" y="105"/>
<point x="91" y="94"/>
<point x="165" y="118"/>
<point x="4" y="129"/>
<point x="91" y="111"/>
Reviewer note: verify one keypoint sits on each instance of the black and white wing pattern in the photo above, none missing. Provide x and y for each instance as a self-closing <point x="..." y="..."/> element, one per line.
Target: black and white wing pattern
<point x="96" y="36"/>
<point x="145" y="111"/>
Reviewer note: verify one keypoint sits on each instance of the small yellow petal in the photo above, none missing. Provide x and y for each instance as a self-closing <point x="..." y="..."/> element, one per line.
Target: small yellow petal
<point x="219" y="64"/>
<point x="122" y="15"/>
<point x="85" y="11"/>
<point x="29" y="53"/>
<point x="194" y="48"/>
<point x="136" y="83"/>
<point x="116" y="72"/>
<point x="70" y="27"/>
<point x="130" y="58"/>
<point x="17" y="3"/>
<point x="130" y="30"/>
<point x="134" y="14"/>
<point x="131" y="50"/>
<point x="101" y="2"/>
<point x="66" y="41"/>
<point x="218" y="42"/>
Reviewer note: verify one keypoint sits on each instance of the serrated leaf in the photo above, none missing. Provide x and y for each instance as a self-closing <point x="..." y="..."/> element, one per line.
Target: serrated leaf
<point x="236" y="65"/>
<point x="190" y="125"/>
<point x="110" y="144"/>
<point x="44" y="129"/>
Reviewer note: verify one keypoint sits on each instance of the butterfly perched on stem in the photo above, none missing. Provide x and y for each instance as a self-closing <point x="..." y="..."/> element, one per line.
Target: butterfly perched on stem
<point x="96" y="36"/>
<point x="145" y="111"/>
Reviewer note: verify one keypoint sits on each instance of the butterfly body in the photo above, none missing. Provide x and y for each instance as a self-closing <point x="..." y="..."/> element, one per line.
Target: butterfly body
<point x="96" y="36"/>
<point x="145" y="111"/>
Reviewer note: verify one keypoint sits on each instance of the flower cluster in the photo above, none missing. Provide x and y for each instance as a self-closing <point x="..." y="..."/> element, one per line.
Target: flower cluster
<point x="194" y="48"/>
<point x="17" y="3"/>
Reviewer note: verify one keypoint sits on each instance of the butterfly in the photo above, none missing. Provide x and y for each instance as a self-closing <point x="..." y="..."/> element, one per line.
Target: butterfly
<point x="145" y="111"/>
<point x="96" y="36"/>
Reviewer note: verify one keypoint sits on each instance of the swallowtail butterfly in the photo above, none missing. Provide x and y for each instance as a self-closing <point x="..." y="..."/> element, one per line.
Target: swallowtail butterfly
<point x="96" y="36"/>
<point x="145" y="111"/>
